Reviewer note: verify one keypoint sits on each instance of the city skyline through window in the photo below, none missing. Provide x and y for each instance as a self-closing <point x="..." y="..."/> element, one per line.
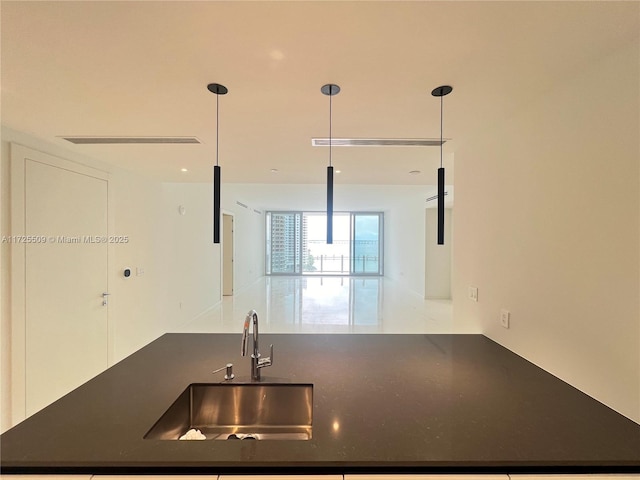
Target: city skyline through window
<point x="296" y="243"/>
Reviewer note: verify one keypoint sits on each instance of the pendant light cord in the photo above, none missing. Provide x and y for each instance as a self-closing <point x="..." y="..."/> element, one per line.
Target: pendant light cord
<point x="217" y="126"/>
<point x="330" y="117"/>
<point x="441" y="99"/>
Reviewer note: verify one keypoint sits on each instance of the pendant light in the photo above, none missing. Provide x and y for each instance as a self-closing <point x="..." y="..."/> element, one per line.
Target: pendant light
<point x="218" y="90"/>
<point x="441" y="92"/>
<point x="330" y="89"/>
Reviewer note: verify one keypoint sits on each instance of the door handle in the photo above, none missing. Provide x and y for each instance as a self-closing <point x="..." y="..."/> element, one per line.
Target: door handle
<point x="105" y="296"/>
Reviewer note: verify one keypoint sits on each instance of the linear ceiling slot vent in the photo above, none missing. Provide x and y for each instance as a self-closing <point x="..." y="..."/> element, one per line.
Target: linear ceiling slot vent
<point x="129" y="140"/>
<point x="378" y="142"/>
<point x="435" y="197"/>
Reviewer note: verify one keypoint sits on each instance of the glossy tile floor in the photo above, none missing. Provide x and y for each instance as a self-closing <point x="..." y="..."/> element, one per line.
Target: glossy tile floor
<point x="328" y="305"/>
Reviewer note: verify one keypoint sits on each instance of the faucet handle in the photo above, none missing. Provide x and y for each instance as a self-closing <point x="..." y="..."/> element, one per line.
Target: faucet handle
<point x="266" y="362"/>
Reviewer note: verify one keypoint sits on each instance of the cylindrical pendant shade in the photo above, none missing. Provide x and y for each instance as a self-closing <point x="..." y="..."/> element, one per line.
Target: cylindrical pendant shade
<point x="329" y="205"/>
<point x="218" y="90"/>
<point x="441" y="206"/>
<point x="216" y="204"/>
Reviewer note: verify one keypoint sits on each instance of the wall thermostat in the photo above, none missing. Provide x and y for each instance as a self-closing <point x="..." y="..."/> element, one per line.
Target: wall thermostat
<point x="127" y="272"/>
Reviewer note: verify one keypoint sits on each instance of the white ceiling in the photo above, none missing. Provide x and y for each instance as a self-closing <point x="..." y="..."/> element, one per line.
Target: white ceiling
<point x="141" y="69"/>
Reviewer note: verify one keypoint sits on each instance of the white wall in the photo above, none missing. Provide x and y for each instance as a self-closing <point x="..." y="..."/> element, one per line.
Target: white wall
<point x="547" y="226"/>
<point x="437" y="268"/>
<point x="192" y="261"/>
<point x="138" y="310"/>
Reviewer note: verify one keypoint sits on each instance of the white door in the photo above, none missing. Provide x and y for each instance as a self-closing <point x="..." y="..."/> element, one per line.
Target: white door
<point x="65" y="278"/>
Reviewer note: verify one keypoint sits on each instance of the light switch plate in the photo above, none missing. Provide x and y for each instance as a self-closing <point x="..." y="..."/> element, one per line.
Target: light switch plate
<point x="505" y="317"/>
<point x="473" y="293"/>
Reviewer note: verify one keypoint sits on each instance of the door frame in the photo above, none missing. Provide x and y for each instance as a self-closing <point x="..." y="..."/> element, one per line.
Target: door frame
<point x="222" y="254"/>
<point x="19" y="154"/>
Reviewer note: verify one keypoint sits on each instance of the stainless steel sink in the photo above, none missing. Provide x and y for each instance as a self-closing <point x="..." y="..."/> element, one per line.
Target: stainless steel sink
<point x="227" y="411"/>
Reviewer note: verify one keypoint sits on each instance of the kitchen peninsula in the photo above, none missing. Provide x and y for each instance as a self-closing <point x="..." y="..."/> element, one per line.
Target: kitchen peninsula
<point x="381" y="404"/>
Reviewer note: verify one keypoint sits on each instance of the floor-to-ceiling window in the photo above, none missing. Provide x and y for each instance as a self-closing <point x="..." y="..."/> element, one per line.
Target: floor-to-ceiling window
<point x="321" y="257"/>
<point x="366" y="231"/>
<point x="296" y="243"/>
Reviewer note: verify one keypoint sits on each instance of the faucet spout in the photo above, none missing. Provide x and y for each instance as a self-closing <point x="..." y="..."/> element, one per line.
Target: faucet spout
<point x="252" y="317"/>
<point x="251" y="321"/>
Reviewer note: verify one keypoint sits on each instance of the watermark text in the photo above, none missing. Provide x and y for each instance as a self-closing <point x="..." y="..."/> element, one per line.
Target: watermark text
<point x="65" y="239"/>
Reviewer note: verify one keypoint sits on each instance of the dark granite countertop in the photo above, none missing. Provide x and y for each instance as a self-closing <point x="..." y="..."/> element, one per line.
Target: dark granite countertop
<point x="382" y="404"/>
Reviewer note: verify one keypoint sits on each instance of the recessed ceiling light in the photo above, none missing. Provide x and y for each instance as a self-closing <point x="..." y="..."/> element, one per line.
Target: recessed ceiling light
<point x="414" y="172"/>
<point x="274" y="170"/>
<point x="276" y="54"/>
<point x="183" y="170"/>
<point x="338" y="171"/>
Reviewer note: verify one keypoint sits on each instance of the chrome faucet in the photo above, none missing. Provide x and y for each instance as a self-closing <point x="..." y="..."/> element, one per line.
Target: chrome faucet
<point x="256" y="362"/>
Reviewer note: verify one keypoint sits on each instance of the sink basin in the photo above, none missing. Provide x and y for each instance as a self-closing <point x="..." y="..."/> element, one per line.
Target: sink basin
<point x="227" y="411"/>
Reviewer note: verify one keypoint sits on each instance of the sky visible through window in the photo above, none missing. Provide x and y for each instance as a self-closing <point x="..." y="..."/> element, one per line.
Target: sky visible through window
<point x="297" y="242"/>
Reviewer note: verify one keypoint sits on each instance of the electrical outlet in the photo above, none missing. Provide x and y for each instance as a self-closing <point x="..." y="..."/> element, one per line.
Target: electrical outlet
<point x="473" y="293"/>
<point x="505" y="316"/>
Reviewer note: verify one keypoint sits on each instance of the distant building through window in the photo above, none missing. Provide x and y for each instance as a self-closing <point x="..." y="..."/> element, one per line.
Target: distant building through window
<point x="296" y="243"/>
